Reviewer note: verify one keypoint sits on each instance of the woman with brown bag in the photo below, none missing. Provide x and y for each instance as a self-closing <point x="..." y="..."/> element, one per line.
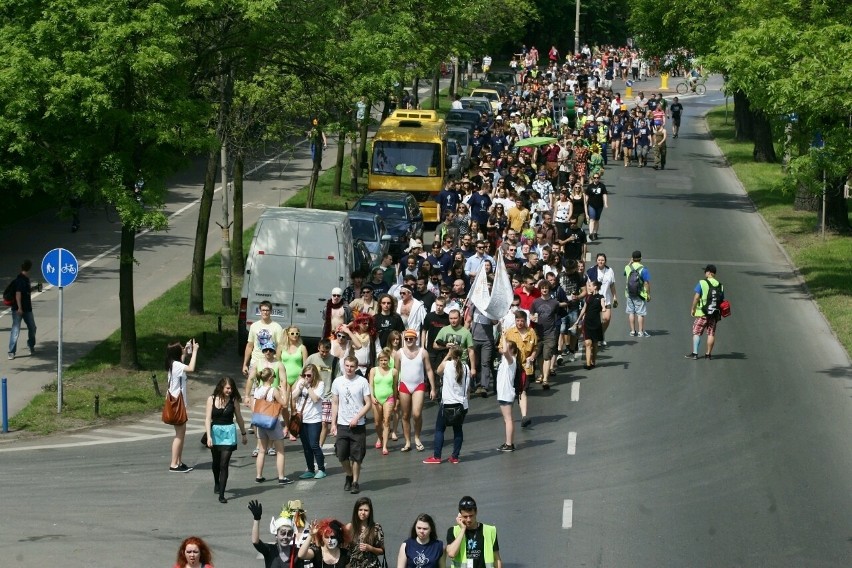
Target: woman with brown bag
<point x="176" y="371"/>
<point x="271" y="402"/>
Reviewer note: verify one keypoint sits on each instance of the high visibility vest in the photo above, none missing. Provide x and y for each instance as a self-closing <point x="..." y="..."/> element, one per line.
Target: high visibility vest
<point x="489" y="534"/>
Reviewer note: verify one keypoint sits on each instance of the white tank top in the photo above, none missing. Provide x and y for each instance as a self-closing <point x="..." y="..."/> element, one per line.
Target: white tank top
<point x="411" y="370"/>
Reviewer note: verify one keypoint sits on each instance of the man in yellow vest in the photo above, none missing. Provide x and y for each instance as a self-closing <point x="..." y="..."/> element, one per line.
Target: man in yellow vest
<point x="472" y="544"/>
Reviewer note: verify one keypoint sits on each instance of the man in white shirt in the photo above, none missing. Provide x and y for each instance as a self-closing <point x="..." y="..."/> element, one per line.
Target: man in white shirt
<point x="350" y="403"/>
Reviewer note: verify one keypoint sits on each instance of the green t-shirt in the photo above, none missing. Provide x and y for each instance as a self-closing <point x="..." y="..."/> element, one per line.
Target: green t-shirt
<point x="460" y="336"/>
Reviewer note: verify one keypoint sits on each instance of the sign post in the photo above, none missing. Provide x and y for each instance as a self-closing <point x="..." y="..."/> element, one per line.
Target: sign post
<point x="59" y="267"/>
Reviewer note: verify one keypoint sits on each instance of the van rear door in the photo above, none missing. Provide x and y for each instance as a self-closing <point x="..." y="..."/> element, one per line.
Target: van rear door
<point x="273" y="270"/>
<point x="319" y="268"/>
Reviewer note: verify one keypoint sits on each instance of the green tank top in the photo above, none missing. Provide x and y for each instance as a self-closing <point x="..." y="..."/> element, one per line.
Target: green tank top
<point x="293" y="365"/>
<point x="382" y="385"/>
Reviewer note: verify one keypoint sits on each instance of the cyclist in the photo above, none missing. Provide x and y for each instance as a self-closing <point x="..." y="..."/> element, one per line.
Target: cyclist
<point x="693" y="78"/>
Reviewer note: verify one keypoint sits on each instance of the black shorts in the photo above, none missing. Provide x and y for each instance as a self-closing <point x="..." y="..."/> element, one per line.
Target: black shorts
<point x="351" y="443"/>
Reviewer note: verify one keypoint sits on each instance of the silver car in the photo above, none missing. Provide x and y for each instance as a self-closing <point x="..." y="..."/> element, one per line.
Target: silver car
<point x="370" y="228"/>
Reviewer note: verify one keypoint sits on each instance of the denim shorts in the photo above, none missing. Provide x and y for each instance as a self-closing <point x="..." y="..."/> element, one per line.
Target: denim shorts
<point x="636" y="306"/>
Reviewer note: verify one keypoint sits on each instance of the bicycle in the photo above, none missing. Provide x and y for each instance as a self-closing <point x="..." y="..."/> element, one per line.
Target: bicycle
<point x="699" y="88"/>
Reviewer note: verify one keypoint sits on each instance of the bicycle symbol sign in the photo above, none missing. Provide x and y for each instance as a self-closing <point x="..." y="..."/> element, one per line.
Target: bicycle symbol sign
<point x="59" y="267"/>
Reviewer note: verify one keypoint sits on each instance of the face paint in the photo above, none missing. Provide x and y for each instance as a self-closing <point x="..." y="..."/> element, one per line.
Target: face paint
<point x="331" y="543"/>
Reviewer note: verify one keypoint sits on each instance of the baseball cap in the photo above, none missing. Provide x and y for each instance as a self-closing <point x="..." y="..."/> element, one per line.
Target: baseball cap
<point x="268" y="346"/>
<point x="336" y="292"/>
<point x="410" y="333"/>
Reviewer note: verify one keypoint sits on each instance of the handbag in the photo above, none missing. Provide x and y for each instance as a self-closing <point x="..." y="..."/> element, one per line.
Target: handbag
<point x="453" y="415"/>
<point x="266" y="413"/>
<point x="174" y="410"/>
<point x="725" y="308"/>
<point x="294" y="425"/>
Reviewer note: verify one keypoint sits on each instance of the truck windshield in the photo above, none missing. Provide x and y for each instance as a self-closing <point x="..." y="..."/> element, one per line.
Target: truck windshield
<point x="411" y="159"/>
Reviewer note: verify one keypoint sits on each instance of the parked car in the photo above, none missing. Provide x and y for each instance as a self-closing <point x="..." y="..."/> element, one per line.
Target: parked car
<point x="490" y="94"/>
<point x="462" y="136"/>
<point x="508" y="78"/>
<point x="499" y="87"/>
<point x="468" y="118"/>
<point x="401" y="214"/>
<point x="370" y="228"/>
<point x="459" y="161"/>
<point x="480" y="104"/>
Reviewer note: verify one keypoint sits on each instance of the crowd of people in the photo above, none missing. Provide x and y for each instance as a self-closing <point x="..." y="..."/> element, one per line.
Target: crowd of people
<point x="360" y="543"/>
<point x="408" y="333"/>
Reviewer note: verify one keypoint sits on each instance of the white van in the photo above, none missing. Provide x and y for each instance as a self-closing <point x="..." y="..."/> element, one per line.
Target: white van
<point x="296" y="257"/>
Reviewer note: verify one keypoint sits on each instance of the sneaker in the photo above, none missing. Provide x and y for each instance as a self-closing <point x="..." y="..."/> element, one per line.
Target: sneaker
<point x="255" y="452"/>
<point x="560" y="359"/>
<point x="307" y="475"/>
<point x="525" y="421"/>
<point x="11" y="356"/>
<point x="355" y="488"/>
<point x="603" y="344"/>
<point x="182" y="468"/>
<point x="259" y="479"/>
<point x="271" y="452"/>
<point x="644" y="334"/>
<point x="284" y="481"/>
<point x="32" y="351"/>
<point x="506" y="448"/>
<point x="633" y="334"/>
<point x="432" y="459"/>
<point x="572" y="357"/>
<point x="693" y="356"/>
<point x="708" y="356"/>
<point x="320" y="474"/>
<point x="347" y="485"/>
<point x="453" y="460"/>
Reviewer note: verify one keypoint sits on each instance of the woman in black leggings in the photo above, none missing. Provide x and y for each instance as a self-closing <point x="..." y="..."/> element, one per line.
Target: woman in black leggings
<point x="222" y="407"/>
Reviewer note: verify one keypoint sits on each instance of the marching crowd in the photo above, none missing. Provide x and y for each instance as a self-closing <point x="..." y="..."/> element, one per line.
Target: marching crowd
<point x="408" y="332"/>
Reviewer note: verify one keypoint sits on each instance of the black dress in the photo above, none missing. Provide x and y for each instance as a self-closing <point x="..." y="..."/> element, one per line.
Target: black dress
<point x="592" y="324"/>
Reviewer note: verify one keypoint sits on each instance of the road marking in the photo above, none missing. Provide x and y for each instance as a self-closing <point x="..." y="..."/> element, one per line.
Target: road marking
<point x="575" y="391"/>
<point x="572" y="443"/>
<point x="567" y="513"/>
<point x="162" y="428"/>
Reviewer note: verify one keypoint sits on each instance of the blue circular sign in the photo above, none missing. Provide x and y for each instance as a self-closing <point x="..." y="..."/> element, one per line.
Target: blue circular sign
<point x="59" y="267"/>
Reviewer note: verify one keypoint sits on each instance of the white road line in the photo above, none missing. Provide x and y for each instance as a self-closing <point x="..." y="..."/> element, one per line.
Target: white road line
<point x="163" y="428"/>
<point x="567" y="513"/>
<point x="575" y="391"/>
<point x="572" y="443"/>
<point x="97" y="441"/>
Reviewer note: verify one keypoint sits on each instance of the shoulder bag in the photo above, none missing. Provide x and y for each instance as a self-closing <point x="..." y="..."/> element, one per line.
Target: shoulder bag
<point x="174" y="409"/>
<point x="294" y="426"/>
<point x="266" y="413"/>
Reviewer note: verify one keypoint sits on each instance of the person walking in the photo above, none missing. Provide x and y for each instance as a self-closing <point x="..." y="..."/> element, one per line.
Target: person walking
<point x="367" y="538"/>
<point x="272" y="401"/>
<point x="328" y="545"/>
<point x="22" y="310"/>
<point x="709" y="294"/>
<point x="594" y="311"/>
<point x="223" y="406"/>
<point x="194" y="553"/>
<point x="597" y="200"/>
<point x="176" y="372"/>
<point x="307" y="395"/>
<point x="384" y="386"/>
<point x="637" y="294"/>
<point x="471" y="544"/>
<point x="526" y="339"/>
<point x="288" y="536"/>
<point x="658" y="140"/>
<point x="262" y="332"/>
<point x="454" y="399"/>
<point x="422" y="549"/>
<point x="606" y="276"/>
<point x="350" y="403"/>
<point x="412" y="362"/>
<point x="506" y="390"/>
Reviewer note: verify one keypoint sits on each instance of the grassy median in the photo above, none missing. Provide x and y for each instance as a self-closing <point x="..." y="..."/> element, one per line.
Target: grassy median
<point x="825" y="264"/>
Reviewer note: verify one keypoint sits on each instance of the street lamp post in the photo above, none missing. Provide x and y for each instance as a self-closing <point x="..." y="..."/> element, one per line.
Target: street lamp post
<point x="577" y="28"/>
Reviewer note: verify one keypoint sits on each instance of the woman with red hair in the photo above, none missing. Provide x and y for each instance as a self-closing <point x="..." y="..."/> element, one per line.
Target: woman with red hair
<point x="194" y="553"/>
<point x="364" y="342"/>
<point x="328" y="544"/>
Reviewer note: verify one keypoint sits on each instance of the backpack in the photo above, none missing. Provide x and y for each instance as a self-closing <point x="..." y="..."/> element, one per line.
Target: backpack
<point x="712" y="300"/>
<point x="9" y="293"/>
<point x="635" y="283"/>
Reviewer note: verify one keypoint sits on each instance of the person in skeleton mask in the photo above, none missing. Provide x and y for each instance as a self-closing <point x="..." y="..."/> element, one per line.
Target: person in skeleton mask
<point x="327" y="547"/>
<point x="290" y="531"/>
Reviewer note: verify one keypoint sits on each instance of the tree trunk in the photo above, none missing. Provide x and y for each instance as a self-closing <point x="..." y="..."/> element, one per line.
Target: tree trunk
<point x="127" y="310"/>
<point x="436" y="86"/>
<point x="363" y="163"/>
<point x="199" y="253"/>
<point x="353" y="163"/>
<point x="238" y="261"/>
<point x="806" y="200"/>
<point x="415" y="87"/>
<point x="386" y="108"/>
<point x="743" y="118"/>
<point x="836" y="209"/>
<point x="764" y="146"/>
<point x="338" y="167"/>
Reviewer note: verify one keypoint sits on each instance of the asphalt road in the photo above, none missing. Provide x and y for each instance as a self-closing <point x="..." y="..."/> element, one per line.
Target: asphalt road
<point x="648" y="460"/>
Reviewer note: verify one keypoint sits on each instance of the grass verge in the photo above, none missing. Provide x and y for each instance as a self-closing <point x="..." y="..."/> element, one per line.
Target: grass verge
<point x="825" y="264"/>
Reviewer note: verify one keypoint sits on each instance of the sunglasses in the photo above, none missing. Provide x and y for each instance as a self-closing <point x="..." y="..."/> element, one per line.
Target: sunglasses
<point x="366" y="291"/>
<point x="295" y="334"/>
<point x="335" y="295"/>
<point x="341" y="335"/>
<point x="268" y="350"/>
<point x="467" y="504"/>
<point x="410" y="338"/>
<point x="306" y="375"/>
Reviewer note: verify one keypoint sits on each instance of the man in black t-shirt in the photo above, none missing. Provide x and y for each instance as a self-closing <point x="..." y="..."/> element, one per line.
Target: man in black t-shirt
<point x="22" y="310"/>
<point x="574" y="242"/>
<point x="675" y="109"/>
<point x="472" y="544"/>
<point x="545" y="314"/>
<point x="432" y="324"/>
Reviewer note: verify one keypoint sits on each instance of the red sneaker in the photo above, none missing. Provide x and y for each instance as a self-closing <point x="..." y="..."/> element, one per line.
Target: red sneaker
<point x="453" y="460"/>
<point x="432" y="459"/>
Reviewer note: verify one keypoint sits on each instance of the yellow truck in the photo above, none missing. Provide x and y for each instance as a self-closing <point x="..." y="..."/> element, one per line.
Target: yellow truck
<point x="409" y="154"/>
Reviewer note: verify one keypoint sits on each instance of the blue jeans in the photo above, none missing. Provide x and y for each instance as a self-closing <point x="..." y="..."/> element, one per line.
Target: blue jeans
<point x="310" y="435"/>
<point x="458" y="435"/>
<point x="16" y="330"/>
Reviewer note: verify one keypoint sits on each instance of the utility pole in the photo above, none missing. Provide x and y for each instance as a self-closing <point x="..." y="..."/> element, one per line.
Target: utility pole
<point x="225" y="255"/>
<point x="577" y="27"/>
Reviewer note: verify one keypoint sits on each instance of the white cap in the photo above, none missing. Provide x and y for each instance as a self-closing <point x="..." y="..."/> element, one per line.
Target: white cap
<point x="336" y="291"/>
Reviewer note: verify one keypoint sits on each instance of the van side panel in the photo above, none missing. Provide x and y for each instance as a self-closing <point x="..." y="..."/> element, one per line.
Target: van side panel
<point x="321" y="266"/>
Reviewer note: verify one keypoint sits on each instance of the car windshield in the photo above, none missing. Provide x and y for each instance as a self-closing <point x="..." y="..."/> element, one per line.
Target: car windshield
<point x="458" y="136"/>
<point x="413" y="159"/>
<point x="364" y="229"/>
<point x="385" y="210"/>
